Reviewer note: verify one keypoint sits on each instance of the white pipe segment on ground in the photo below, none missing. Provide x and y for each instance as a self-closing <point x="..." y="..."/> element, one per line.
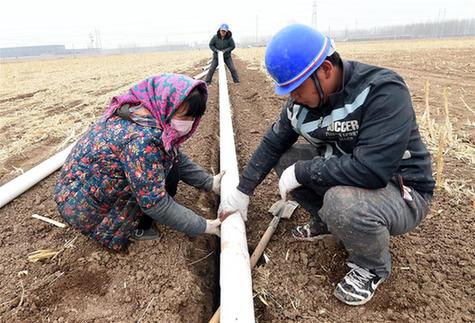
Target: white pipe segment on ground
<point x="199" y="76"/>
<point x="22" y="183"/>
<point x="237" y="303"/>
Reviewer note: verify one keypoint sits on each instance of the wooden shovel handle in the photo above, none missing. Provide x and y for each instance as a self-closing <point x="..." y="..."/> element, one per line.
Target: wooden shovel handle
<point x="261" y="246"/>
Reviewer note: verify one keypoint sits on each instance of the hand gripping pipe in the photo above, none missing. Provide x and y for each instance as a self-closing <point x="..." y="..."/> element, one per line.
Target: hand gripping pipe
<point x="237" y="304"/>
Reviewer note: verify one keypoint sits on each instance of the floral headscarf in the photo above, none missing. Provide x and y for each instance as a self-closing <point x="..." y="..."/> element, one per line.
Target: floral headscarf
<point x="161" y="95"/>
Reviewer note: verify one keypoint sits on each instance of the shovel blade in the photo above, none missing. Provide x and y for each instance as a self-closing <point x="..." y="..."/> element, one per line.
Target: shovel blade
<point x="284" y="209"/>
<point x="289" y="209"/>
<point x="276" y="207"/>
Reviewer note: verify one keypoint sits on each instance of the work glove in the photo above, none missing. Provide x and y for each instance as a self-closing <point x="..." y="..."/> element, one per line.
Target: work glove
<point x="216" y="188"/>
<point x="236" y="201"/>
<point x="212" y="227"/>
<point x="288" y="182"/>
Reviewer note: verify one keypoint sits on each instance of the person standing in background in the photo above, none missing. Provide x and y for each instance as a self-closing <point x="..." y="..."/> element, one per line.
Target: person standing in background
<point x="222" y="41"/>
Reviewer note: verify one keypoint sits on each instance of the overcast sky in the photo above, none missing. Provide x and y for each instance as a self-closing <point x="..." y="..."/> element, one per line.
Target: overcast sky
<point x="156" y="22"/>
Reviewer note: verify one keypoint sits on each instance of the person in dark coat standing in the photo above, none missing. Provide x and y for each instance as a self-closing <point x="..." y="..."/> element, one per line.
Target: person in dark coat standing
<point x="222" y="41"/>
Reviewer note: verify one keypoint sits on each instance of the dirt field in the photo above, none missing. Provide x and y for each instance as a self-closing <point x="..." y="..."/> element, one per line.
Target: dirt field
<point x="169" y="281"/>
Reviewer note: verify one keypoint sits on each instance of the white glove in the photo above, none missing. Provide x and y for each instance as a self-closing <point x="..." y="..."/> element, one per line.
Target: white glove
<point x="212" y="227"/>
<point x="236" y="201"/>
<point x="288" y="182"/>
<point x="216" y="188"/>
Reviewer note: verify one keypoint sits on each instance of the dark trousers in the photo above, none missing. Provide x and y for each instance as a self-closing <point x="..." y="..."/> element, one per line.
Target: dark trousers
<point x="363" y="219"/>
<point x="171" y="185"/>
<point x="229" y="63"/>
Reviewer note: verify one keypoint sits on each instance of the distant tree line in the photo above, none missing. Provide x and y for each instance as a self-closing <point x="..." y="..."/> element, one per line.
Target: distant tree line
<point x="449" y="28"/>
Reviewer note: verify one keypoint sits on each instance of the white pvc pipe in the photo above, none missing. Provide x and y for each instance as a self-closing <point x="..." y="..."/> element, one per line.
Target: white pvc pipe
<point x="199" y="76"/>
<point x="237" y="303"/>
<point x="22" y="183"/>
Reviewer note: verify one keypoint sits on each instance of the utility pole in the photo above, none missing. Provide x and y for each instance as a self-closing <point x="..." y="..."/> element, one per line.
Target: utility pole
<point x="91" y="41"/>
<point x="98" y="39"/>
<point x="314" y="15"/>
<point x="443" y="24"/>
<point x="257" y="17"/>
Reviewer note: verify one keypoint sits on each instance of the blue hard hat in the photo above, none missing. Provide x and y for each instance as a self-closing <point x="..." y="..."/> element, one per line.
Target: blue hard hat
<point x="293" y="54"/>
<point x="224" y="27"/>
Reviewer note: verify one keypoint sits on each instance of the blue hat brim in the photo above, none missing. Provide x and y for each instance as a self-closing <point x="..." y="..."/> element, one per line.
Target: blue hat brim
<point x="286" y="89"/>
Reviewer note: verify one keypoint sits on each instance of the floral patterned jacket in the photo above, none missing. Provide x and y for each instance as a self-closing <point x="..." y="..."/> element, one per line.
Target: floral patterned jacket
<point x="118" y="168"/>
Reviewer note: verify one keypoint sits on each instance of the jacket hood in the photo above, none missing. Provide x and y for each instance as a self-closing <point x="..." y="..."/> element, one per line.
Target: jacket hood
<point x="229" y="34"/>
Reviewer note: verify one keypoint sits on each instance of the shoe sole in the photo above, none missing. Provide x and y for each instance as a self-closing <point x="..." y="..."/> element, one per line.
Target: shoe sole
<point x="144" y="239"/>
<point x="356" y="303"/>
<point x="312" y="239"/>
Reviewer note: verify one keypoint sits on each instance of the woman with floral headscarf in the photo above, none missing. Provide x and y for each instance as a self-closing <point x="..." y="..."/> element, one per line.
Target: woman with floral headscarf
<point x="126" y="168"/>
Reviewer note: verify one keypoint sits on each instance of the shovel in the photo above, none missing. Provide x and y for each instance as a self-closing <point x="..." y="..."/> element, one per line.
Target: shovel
<point x="280" y="209"/>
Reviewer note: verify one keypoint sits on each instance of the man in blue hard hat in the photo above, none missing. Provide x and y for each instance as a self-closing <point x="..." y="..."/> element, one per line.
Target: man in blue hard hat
<point x="222" y="41"/>
<point x="364" y="174"/>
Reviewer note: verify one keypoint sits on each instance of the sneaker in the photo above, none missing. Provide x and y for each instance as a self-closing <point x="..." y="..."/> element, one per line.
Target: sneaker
<point x="311" y="231"/>
<point x="358" y="286"/>
<point x="145" y="234"/>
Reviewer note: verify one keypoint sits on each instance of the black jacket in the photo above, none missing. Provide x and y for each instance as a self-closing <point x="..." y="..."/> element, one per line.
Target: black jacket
<point x="226" y="45"/>
<point x="368" y="132"/>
